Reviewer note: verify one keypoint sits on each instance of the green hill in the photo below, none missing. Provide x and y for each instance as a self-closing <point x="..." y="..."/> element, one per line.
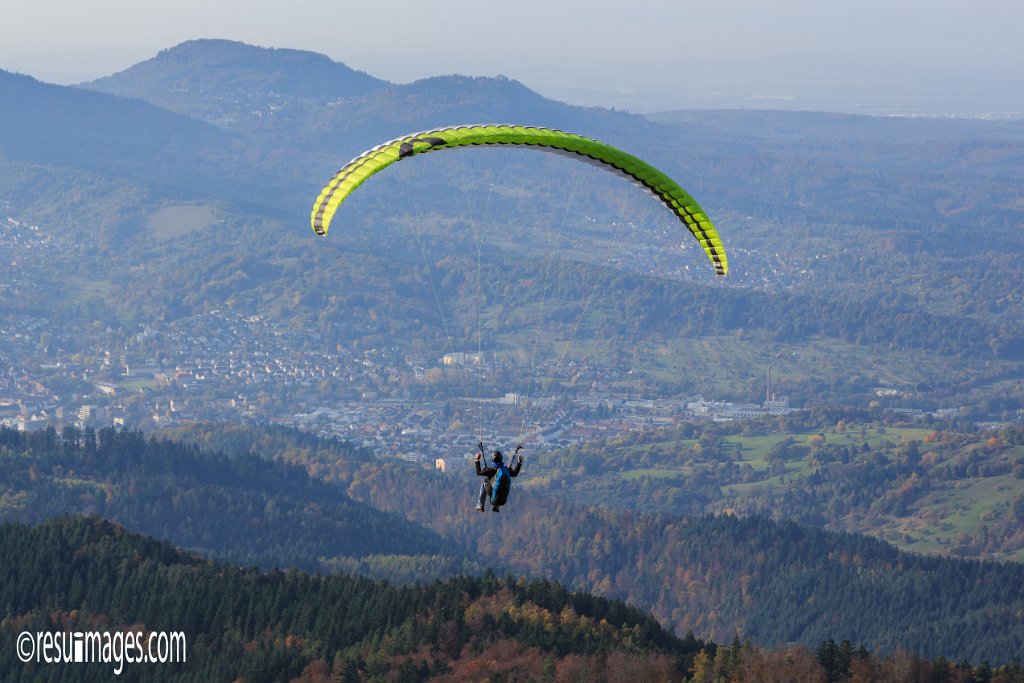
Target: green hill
<point x="776" y="582"/>
<point x="240" y="624"/>
<point x="244" y="509"/>
<point x="222" y="81"/>
<point x="924" y="485"/>
<point x="58" y="125"/>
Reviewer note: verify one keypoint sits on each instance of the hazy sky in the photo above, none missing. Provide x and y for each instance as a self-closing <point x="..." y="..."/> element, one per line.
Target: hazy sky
<point x="942" y="56"/>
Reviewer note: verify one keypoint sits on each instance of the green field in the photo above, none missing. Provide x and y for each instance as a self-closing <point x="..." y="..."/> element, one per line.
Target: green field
<point x="174" y="221"/>
<point x="754" y="449"/>
<point x="657" y="474"/>
<point x="938" y="521"/>
<point x="949" y="516"/>
<point x="78" y="290"/>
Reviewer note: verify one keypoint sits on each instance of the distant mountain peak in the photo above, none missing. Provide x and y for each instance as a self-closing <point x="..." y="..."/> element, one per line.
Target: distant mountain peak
<point x="218" y="51"/>
<point x="214" y="78"/>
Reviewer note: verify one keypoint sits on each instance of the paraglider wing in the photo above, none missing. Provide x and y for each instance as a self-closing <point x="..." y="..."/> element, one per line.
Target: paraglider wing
<point x="355" y="172"/>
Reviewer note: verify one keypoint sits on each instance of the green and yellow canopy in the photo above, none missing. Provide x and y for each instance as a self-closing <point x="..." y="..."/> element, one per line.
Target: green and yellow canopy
<point x="372" y="161"/>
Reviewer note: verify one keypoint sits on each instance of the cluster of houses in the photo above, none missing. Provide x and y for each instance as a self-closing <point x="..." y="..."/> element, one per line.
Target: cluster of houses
<point x="223" y="365"/>
<point x="445" y="432"/>
<point x="24" y="417"/>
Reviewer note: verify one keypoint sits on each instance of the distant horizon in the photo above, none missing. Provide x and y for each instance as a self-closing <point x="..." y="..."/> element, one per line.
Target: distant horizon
<point x="937" y="58"/>
<point x="862" y="97"/>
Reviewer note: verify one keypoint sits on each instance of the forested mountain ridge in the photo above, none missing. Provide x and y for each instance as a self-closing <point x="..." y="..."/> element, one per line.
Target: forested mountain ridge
<point x="246" y="509"/>
<point x="90" y="575"/>
<point x="269" y="92"/>
<point x="925" y="485"/>
<point x="776" y="582"/>
<point x="87" y="574"/>
<point x="62" y="126"/>
<point x="717" y="576"/>
<point x="217" y="80"/>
